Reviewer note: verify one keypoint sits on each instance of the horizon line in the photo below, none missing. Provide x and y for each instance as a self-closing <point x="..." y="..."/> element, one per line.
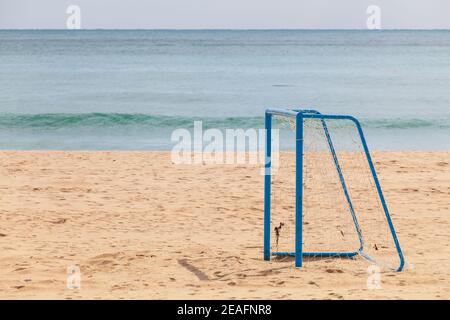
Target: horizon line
<point x="223" y="29"/>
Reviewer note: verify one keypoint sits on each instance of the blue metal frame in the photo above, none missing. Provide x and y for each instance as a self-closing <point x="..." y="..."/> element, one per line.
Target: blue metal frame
<point x="299" y="190"/>
<point x="267" y="178"/>
<point x="299" y="116"/>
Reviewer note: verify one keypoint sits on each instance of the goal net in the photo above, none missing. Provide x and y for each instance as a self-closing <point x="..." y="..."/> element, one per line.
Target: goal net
<point x="344" y="215"/>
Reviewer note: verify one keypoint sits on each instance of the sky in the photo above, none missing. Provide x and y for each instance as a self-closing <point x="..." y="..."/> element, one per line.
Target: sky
<point x="225" y="14"/>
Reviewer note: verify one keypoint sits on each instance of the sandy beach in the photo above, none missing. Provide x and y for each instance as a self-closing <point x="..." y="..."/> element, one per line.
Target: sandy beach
<point x="140" y="227"/>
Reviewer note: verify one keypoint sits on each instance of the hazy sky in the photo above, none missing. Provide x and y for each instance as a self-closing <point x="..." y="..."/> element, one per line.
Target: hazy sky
<point x="225" y="14"/>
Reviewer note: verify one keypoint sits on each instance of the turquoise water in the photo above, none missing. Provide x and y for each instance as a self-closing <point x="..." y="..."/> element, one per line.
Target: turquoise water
<point x="131" y="89"/>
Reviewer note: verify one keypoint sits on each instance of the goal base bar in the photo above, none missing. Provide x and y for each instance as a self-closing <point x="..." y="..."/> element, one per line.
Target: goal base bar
<point x="317" y="254"/>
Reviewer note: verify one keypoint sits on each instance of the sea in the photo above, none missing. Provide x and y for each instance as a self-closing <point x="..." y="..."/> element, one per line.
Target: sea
<point x="130" y="89"/>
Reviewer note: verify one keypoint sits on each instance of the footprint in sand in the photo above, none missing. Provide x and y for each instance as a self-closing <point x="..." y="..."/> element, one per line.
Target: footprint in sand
<point x="200" y="274"/>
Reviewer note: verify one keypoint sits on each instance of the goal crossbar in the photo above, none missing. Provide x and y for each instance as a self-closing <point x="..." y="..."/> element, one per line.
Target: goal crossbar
<point x="299" y="116"/>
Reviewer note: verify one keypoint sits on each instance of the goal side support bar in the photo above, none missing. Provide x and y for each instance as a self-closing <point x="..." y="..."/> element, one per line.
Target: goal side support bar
<point x="299" y="116"/>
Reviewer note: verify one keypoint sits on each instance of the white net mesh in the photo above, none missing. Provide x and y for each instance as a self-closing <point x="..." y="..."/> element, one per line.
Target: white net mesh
<point x="328" y="222"/>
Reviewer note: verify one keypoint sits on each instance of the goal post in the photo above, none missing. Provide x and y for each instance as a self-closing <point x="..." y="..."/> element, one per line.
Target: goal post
<point x="338" y="209"/>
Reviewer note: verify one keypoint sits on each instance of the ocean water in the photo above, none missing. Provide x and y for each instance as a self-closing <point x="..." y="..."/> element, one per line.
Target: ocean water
<point x="128" y="90"/>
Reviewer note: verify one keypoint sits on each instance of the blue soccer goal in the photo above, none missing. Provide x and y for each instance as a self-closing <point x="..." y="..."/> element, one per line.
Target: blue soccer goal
<point x="324" y="198"/>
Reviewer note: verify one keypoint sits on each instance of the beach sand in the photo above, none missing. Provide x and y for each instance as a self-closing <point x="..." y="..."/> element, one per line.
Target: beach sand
<point x="140" y="227"/>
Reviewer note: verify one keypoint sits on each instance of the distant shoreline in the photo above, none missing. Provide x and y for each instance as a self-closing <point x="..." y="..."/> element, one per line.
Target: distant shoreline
<point x="206" y="29"/>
